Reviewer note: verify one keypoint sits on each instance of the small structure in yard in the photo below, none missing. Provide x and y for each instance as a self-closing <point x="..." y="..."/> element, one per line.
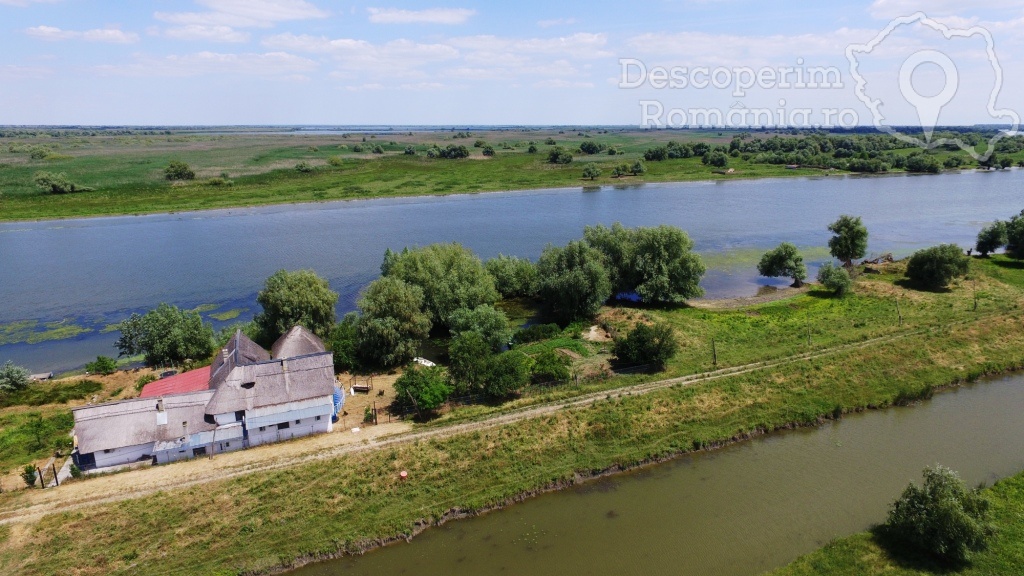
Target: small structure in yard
<point x="246" y="397"/>
<point x="364" y="385"/>
<point x="41" y="377"/>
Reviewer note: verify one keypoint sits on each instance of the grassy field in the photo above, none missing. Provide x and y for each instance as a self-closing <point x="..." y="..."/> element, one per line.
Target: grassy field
<point x="126" y="172"/>
<point x="344" y="504"/>
<point x="862" y="554"/>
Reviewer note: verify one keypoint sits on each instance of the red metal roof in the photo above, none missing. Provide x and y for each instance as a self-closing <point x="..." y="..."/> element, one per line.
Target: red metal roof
<point x="191" y="381"/>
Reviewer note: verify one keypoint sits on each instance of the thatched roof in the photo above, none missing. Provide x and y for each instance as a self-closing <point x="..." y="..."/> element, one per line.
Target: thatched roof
<point x="135" y="422"/>
<point x="297" y="342"/>
<point x="239" y="351"/>
<point x="274" y="382"/>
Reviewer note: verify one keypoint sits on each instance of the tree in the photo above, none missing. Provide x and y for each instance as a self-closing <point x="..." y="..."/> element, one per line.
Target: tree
<point x="425" y="388"/>
<point x="507" y="374"/>
<point x="591" y="171"/>
<point x="532" y="149"/>
<point x="591" y="147"/>
<point x="50" y="183"/>
<point x="488" y="150"/>
<point x="513" y="277"/>
<point x="785" y="260"/>
<point x="992" y="238"/>
<point x="849" y="240"/>
<point x="169" y="335"/>
<point x="290" y="298"/>
<point x="835" y="278"/>
<point x="657" y="264"/>
<point x="28" y="474"/>
<point x="103" y="365"/>
<point x="574" y="282"/>
<point x="646" y="344"/>
<point x="941" y="518"/>
<point x="637" y="168"/>
<point x="392" y="323"/>
<point x="490" y="323"/>
<point x="923" y="163"/>
<point x="178" y="170"/>
<point x="410" y="151"/>
<point x="469" y="356"/>
<point x="343" y="341"/>
<point x="937" y="266"/>
<point x="450" y="276"/>
<point x="129" y="343"/>
<point x="13" y="378"/>
<point x="1015" y="235"/>
<point x="550" y="367"/>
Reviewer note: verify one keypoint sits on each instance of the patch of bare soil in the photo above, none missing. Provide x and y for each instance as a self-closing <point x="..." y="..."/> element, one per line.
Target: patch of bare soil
<point x="596" y="334"/>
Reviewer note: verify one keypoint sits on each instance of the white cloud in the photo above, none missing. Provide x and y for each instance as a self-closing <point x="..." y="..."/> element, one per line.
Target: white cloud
<point x="201" y="63"/>
<point x="110" y="35"/>
<point x="887" y="9"/>
<point x="427" y="16"/>
<point x="556" y="22"/>
<point x="362" y="55"/>
<point x="206" y="33"/>
<point x="559" y="83"/>
<point x="705" y="49"/>
<point x="581" y="45"/>
<point x="14" y="72"/>
<point x="244" y="13"/>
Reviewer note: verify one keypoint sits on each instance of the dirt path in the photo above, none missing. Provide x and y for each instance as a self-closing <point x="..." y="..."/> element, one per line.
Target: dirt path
<point x="139" y="483"/>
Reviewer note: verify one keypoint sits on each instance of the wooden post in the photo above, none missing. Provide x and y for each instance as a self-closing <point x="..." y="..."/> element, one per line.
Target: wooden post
<point x="54" y="468"/>
<point x="714" y="353"/>
<point x="808" y="334"/>
<point x="374" y="412"/>
<point x="898" y="310"/>
<point x="975" y="295"/>
<point x="40" y="474"/>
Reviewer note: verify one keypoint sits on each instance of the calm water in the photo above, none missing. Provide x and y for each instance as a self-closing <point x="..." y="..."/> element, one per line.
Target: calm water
<point x="97" y="271"/>
<point x="737" y="511"/>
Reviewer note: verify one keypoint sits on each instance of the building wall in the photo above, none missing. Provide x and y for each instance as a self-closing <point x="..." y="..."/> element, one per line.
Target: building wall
<point x="296" y="428"/>
<point x="124" y="455"/>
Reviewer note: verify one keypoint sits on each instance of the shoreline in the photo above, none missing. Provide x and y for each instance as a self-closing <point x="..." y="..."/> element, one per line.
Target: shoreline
<point x="578" y="479"/>
<point x="735" y="177"/>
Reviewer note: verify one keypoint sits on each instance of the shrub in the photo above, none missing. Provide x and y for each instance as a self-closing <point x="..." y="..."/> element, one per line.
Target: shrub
<point x="559" y="155"/>
<point x="645" y="344"/>
<point x="550" y="367"/>
<point x="103" y="365"/>
<point x="378" y="149"/>
<point x="28" y="474"/>
<point x="941" y="518"/>
<point x="177" y="170"/>
<point x="835" y="278"/>
<point x="143" y="380"/>
<point x="535" y="333"/>
<point x="937" y="266"/>
<point x="424" y="388"/>
<point x="50" y="183"/>
<point x="76" y="472"/>
<point x="532" y="149"/>
<point x="488" y="150"/>
<point x="507" y="374"/>
<point x="410" y="151"/>
<point x="13" y="378"/>
<point x="304" y="167"/>
<point x="336" y="161"/>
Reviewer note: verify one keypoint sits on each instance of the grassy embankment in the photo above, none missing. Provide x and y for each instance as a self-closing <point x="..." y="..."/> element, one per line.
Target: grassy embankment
<point x="863" y="554"/>
<point x="268" y="519"/>
<point x="127" y="172"/>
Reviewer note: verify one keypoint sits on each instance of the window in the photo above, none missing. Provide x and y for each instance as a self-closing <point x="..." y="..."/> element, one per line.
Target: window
<point x="107" y="451"/>
<point x="297" y="421"/>
<point x="318" y="418"/>
<point x="239" y="415"/>
<point x="283" y="426"/>
<point x="263" y="428"/>
<point x="248" y="385"/>
<point x="201" y="451"/>
<point x="227" y="444"/>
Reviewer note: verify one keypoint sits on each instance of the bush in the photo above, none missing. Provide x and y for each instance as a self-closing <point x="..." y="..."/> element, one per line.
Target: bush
<point x="410" y="151"/>
<point x="559" y="155"/>
<point x="13" y="378"/>
<point x="28" y="474"/>
<point x="304" y="167"/>
<point x="942" y="518"/>
<point x="423" y="388"/>
<point x="532" y="149"/>
<point x="550" y="367"/>
<point x="50" y="183"/>
<point x="177" y="170"/>
<point x="336" y="161"/>
<point x="143" y="380"/>
<point x="937" y="266"/>
<point x="507" y="374"/>
<point x="378" y="149"/>
<point x="645" y="344"/>
<point x="535" y="333"/>
<point x="717" y="159"/>
<point x="488" y="150"/>
<point x="76" y="472"/>
<point x="835" y="278"/>
<point x="103" y="365"/>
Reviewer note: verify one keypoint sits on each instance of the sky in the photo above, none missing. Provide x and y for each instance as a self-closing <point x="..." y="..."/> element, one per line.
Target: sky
<point x="658" y="63"/>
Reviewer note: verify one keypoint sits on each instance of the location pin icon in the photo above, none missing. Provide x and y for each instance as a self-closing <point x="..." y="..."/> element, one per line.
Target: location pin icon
<point x="929" y="107"/>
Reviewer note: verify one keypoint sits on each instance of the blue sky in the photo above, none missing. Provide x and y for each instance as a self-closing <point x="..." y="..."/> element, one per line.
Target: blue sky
<point x="526" y="62"/>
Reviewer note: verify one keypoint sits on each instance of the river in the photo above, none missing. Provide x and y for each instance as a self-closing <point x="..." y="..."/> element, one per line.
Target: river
<point x="94" y="272"/>
<point x="738" y="511"/>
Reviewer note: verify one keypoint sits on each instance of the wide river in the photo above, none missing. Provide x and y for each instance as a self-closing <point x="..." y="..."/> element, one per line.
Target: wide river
<point x="94" y="272"/>
<point x="739" y="511"/>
